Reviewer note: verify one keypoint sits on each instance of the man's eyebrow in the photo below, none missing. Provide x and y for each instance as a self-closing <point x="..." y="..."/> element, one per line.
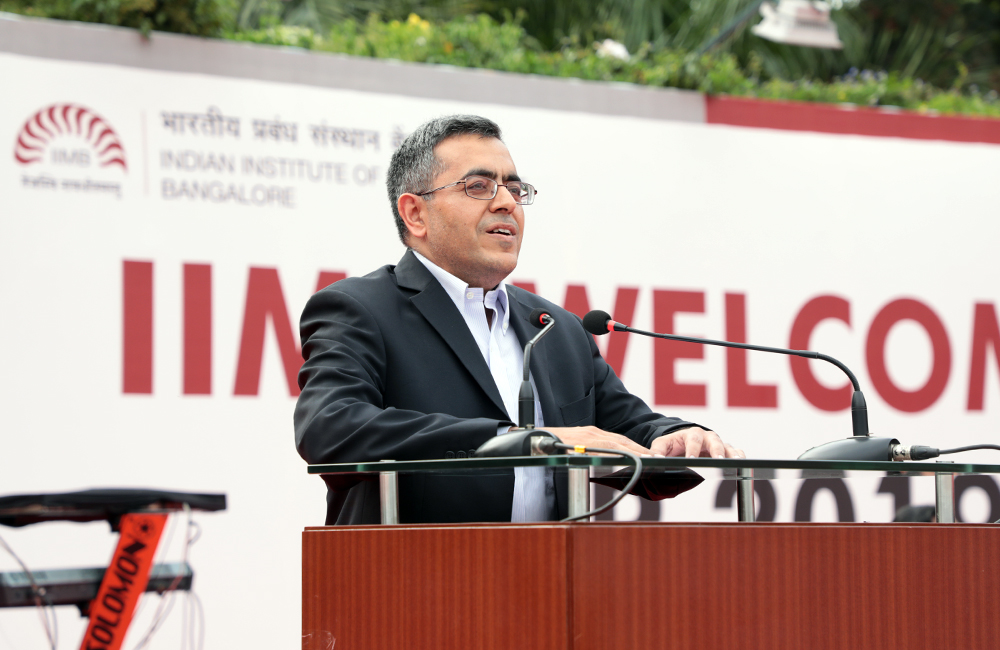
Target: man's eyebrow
<point x="489" y="173"/>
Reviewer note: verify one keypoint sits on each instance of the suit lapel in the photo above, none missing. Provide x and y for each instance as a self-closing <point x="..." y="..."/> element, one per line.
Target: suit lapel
<point x="525" y="331"/>
<point x="433" y="303"/>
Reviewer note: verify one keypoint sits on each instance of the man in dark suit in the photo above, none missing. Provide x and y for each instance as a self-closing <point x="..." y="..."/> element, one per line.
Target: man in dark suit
<point x="421" y="360"/>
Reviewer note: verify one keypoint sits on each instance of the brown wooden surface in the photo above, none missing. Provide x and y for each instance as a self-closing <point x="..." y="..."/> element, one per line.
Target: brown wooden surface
<point x="441" y="587"/>
<point x="787" y="586"/>
<point x="656" y="585"/>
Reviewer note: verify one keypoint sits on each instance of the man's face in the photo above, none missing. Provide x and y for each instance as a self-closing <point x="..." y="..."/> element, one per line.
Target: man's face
<point x="464" y="235"/>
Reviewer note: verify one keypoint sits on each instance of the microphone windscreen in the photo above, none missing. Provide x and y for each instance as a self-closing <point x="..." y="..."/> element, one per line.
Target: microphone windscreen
<point x="596" y="322"/>
<point x="535" y="318"/>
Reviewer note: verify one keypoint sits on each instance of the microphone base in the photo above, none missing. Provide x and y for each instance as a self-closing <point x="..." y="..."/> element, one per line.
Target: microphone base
<point x="519" y="442"/>
<point x="853" y="448"/>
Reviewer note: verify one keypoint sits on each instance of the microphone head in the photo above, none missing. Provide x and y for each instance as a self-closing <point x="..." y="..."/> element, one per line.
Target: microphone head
<point x="539" y="318"/>
<point x="596" y="322"/>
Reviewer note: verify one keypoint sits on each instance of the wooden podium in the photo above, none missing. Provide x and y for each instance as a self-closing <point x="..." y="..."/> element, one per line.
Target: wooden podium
<point x="636" y="585"/>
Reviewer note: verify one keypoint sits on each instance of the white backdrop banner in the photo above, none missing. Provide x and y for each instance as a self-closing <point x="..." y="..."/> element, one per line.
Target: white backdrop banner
<point x="162" y="231"/>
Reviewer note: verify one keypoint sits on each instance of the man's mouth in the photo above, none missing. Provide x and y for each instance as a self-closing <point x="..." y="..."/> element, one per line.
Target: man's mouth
<point x="501" y="230"/>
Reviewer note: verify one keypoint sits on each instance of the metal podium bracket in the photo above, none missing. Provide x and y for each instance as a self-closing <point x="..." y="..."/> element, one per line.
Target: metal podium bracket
<point x="944" y="496"/>
<point x="744" y="495"/>
<point x="579" y="491"/>
<point x="388" y="487"/>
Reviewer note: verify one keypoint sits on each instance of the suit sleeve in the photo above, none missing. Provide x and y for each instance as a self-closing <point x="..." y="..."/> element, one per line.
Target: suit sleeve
<point x="619" y="411"/>
<point x="340" y="415"/>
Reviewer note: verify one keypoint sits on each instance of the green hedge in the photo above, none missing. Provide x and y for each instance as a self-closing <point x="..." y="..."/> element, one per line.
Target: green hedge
<point x="198" y="17"/>
<point x="481" y="42"/>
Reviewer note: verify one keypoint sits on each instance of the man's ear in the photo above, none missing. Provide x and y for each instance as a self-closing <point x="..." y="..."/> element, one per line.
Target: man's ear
<point x="413" y="211"/>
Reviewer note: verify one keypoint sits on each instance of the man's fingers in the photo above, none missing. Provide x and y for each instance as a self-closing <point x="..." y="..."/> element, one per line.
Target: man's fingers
<point x="693" y="442"/>
<point x="733" y="452"/>
<point x="671" y="444"/>
<point x="716" y="448"/>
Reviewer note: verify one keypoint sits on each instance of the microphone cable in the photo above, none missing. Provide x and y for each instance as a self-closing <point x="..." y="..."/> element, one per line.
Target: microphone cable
<point x="42" y="602"/>
<point x="922" y="452"/>
<point x="969" y="448"/>
<point x="581" y="449"/>
<point x="192" y="534"/>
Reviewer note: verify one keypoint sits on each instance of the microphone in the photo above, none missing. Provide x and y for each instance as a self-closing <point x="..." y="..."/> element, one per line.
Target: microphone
<point x="526" y="396"/>
<point x="861" y="446"/>
<point x="525" y="440"/>
<point x="520" y="442"/>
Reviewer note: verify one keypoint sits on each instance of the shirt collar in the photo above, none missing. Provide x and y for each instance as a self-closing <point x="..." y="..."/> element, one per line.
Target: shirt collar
<point x="460" y="292"/>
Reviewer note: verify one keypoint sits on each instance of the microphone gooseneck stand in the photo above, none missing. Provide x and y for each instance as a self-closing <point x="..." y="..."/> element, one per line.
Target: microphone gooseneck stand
<point x="528" y="441"/>
<point x="526" y="395"/>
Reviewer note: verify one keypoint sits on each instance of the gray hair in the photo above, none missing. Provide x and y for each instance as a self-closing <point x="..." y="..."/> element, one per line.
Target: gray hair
<point x="414" y="165"/>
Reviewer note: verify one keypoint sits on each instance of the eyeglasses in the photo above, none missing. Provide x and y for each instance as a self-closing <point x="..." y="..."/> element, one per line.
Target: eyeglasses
<point x="485" y="189"/>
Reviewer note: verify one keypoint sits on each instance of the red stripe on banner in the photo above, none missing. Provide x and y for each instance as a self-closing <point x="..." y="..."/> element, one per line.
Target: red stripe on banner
<point x="824" y="118"/>
<point x="985" y="334"/>
<point x="197" y="329"/>
<point x="739" y="390"/>
<point x="265" y="301"/>
<point x="578" y="303"/>
<point x="813" y="313"/>
<point x="666" y="389"/>
<point x="908" y="401"/>
<point x="137" y="327"/>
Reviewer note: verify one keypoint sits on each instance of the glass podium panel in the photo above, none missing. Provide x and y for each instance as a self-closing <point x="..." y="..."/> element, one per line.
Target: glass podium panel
<point x="746" y="490"/>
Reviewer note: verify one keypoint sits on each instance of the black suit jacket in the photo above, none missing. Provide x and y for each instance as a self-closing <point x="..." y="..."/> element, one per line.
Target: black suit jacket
<point x="392" y="372"/>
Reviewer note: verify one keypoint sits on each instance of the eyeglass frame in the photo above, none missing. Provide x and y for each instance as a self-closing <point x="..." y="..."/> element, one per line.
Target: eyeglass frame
<point x="496" y="188"/>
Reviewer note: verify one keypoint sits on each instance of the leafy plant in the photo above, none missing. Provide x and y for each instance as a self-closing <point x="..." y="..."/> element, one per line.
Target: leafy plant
<point x="909" y="39"/>
<point x="198" y="17"/>
<point x="321" y="15"/>
<point x="481" y="42"/>
<point x="925" y="39"/>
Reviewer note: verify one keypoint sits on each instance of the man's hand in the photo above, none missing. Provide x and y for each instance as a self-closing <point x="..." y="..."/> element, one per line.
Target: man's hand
<point x="594" y="437"/>
<point x="694" y="442"/>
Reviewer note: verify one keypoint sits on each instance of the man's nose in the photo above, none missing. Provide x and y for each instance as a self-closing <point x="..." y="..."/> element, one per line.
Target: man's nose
<point x="504" y="200"/>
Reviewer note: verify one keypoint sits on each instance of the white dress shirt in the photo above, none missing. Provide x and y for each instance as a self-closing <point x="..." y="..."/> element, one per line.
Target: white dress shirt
<point x="534" y="489"/>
